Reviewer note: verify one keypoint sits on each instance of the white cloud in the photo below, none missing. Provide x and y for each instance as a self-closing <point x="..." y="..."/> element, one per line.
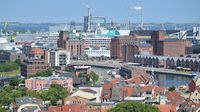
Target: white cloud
<point x="136" y="8"/>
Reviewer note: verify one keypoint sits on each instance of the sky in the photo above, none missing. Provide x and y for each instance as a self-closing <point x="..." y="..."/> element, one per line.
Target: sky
<point x="63" y="11"/>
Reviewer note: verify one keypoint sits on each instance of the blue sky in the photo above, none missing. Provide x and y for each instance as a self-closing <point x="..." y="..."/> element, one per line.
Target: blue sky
<point x="179" y="11"/>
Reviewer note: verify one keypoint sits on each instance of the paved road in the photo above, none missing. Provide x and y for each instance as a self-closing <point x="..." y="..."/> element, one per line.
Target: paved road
<point x="118" y="64"/>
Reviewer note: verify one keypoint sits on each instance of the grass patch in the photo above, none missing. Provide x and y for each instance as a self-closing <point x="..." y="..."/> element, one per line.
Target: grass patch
<point x="12" y="73"/>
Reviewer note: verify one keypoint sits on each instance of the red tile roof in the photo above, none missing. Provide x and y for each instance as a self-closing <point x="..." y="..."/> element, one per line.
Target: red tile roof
<point x="160" y="90"/>
<point x="175" y="98"/>
<point x="166" y="108"/>
<point x="128" y="90"/>
<point x="106" y="91"/>
<point x="66" y="108"/>
<point x="116" y="80"/>
<point x="147" y="88"/>
<point x="37" y="51"/>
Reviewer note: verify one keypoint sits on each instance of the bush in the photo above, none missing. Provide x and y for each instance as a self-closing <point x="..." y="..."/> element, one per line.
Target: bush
<point x="14" y="81"/>
<point x="133" y="107"/>
<point x="45" y="73"/>
<point x="172" y="88"/>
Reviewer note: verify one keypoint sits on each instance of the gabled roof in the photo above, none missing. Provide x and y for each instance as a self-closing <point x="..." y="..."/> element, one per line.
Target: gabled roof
<point x="36" y="51"/>
<point x="83" y="94"/>
<point x="166" y="108"/>
<point x="147" y="88"/>
<point x="66" y="108"/>
<point x="89" y="90"/>
<point x="106" y="90"/>
<point x="175" y="98"/>
<point x="116" y="80"/>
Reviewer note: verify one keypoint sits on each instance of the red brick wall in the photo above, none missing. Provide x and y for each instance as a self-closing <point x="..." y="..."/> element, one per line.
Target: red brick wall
<point x="116" y="46"/>
<point x="192" y="86"/>
<point x="175" y="48"/>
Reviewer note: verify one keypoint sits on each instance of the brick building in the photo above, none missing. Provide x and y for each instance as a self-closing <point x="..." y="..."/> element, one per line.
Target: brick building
<point x="173" y="47"/>
<point x="168" y="62"/>
<point x="164" y="46"/>
<point x="32" y="66"/>
<point x="11" y="56"/>
<point x="116" y="45"/>
<point x="72" y="43"/>
<point x="41" y="83"/>
<point x="129" y="50"/>
<point x="36" y="53"/>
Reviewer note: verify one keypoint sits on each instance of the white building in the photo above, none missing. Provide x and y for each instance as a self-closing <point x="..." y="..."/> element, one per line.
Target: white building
<point x="59" y="57"/>
<point x="102" y="51"/>
<point x="97" y="41"/>
<point x="3" y="43"/>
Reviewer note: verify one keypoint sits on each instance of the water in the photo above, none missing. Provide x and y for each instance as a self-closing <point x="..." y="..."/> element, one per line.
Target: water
<point x="163" y="79"/>
<point x="172" y="80"/>
<point x="27" y="37"/>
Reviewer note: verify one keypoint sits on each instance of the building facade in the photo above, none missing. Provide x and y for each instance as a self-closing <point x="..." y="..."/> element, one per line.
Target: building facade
<point x="167" y="62"/>
<point x="11" y="56"/>
<point x="116" y="45"/>
<point x="32" y="66"/>
<point x="59" y="57"/>
<point x="102" y="51"/>
<point x="165" y="46"/>
<point x="129" y="50"/>
<point x="97" y="41"/>
<point x="72" y="43"/>
<point x="42" y="83"/>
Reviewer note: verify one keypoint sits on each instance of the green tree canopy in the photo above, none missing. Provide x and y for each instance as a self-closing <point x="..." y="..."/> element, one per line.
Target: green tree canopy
<point x="8" y="66"/>
<point x="44" y="73"/>
<point x="172" y="88"/>
<point x="17" y="61"/>
<point x="53" y="94"/>
<point x="14" y="81"/>
<point x="94" y="77"/>
<point x="133" y="107"/>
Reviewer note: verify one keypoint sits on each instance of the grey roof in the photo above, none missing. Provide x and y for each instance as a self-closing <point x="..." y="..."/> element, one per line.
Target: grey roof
<point x="30" y="109"/>
<point x="76" y="79"/>
<point x="143" y="44"/>
<point x="171" y="39"/>
<point x="49" y="78"/>
<point x="4" y="78"/>
<point x="149" y="32"/>
<point x="28" y="100"/>
<point x="90" y="86"/>
<point x="169" y="57"/>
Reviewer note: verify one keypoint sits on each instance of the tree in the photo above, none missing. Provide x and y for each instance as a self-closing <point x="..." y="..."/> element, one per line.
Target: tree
<point x="14" y="81"/>
<point x="172" y="88"/>
<point x="2" y="109"/>
<point x="133" y="107"/>
<point x="94" y="77"/>
<point x="57" y="92"/>
<point x="8" y="66"/>
<point x="53" y="94"/>
<point x="44" y="73"/>
<point x="18" y="62"/>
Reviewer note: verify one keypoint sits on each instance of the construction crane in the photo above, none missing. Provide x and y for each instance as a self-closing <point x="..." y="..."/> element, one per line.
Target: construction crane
<point x="89" y="18"/>
<point x="5" y="32"/>
<point x="4" y="29"/>
<point x="100" y="17"/>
